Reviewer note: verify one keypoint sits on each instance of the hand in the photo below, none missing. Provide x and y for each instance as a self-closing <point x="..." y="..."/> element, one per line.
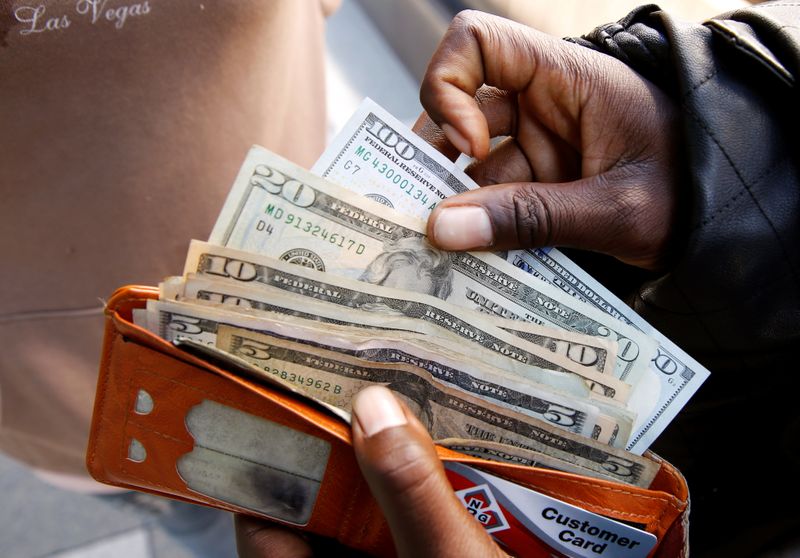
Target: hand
<point x="591" y="160"/>
<point x="399" y="462"/>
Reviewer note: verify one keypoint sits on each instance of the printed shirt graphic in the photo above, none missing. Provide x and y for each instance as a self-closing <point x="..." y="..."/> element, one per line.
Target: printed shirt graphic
<point x="29" y="18"/>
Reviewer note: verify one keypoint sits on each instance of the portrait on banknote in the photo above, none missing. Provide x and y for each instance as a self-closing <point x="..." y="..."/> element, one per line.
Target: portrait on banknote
<point x="412" y="264"/>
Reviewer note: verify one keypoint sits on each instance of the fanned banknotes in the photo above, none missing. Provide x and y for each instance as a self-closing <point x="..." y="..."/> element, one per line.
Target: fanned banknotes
<point x="279" y="209"/>
<point x="328" y="287"/>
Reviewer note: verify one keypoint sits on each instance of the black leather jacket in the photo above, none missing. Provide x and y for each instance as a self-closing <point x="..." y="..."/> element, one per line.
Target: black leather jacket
<point x="732" y="297"/>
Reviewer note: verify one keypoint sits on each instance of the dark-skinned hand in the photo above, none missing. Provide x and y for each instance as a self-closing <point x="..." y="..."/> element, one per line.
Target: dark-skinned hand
<point x="591" y="158"/>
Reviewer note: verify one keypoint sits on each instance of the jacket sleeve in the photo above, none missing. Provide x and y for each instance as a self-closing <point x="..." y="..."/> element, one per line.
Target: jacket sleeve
<point x="732" y="296"/>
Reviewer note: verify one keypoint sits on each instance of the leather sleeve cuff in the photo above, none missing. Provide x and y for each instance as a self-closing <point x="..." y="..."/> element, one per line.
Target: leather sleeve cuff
<point x="639" y="41"/>
<point x="730" y="298"/>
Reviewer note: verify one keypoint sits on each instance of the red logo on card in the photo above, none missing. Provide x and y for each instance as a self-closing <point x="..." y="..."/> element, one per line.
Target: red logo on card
<point x="480" y="502"/>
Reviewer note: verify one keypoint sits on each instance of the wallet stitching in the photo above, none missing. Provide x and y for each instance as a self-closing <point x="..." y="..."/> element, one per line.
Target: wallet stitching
<point x="149" y="482"/>
<point x="207" y="394"/>
<point x="653" y="521"/>
<point x="103" y="390"/>
<point x="676" y="479"/>
<point x="123" y="454"/>
<point x="218" y="503"/>
<point x="647" y="518"/>
<point x="156" y="432"/>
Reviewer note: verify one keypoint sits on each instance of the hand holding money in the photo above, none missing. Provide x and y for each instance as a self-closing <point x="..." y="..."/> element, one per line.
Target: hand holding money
<point x="495" y="362"/>
<point x="314" y="289"/>
<point x="277" y="210"/>
<point x="591" y="158"/>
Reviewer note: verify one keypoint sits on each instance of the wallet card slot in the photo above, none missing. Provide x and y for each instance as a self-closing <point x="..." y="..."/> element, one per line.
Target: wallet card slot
<point x="253" y="463"/>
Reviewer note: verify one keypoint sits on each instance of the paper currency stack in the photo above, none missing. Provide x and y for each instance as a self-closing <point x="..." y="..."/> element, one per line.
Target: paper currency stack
<point x="323" y="281"/>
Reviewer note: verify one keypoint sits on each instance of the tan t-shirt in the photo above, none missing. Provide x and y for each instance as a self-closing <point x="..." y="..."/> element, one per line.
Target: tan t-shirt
<point x="122" y="125"/>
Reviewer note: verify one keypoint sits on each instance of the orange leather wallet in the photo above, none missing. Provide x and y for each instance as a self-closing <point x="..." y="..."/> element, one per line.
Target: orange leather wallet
<point x="177" y="425"/>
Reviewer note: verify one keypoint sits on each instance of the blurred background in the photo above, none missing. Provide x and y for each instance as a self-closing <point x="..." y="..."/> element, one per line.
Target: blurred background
<point x="375" y="48"/>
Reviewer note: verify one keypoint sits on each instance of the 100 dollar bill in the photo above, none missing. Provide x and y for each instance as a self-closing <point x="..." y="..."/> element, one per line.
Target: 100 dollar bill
<point x="673" y="376"/>
<point x="380" y="158"/>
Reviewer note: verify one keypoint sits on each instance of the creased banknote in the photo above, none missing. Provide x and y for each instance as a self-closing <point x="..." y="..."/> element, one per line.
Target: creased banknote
<point x="503" y="453"/>
<point x="336" y="378"/>
<point x="203" y="324"/>
<point x="257" y="269"/>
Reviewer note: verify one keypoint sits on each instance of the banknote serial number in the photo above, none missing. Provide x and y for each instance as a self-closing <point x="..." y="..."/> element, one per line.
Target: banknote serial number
<point x="305" y="381"/>
<point x="390" y="174"/>
<point x="304" y="225"/>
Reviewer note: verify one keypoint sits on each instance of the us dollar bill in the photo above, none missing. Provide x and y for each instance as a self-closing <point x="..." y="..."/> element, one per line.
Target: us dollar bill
<point x="503" y="453"/>
<point x="264" y="299"/>
<point x="572" y="345"/>
<point x="455" y="361"/>
<point x="672" y="376"/>
<point x="278" y="209"/>
<point x="383" y="160"/>
<point x="332" y="381"/>
<point x="374" y="148"/>
<point x="257" y="269"/>
<point x="575" y="346"/>
<point x="204" y="324"/>
<point x="335" y="378"/>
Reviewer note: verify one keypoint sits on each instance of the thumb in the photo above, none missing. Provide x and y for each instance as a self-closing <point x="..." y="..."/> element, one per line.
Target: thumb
<point x="611" y="213"/>
<point x="398" y="460"/>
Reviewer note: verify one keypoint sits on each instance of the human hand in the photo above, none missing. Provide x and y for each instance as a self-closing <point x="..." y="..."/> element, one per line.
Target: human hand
<point x="591" y="160"/>
<point x="404" y="473"/>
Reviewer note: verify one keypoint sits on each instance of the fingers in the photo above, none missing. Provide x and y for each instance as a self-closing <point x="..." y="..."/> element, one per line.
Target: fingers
<point x="608" y="213"/>
<point x="258" y="539"/>
<point x="480" y="49"/>
<point x="405" y="475"/>
<point x="599" y="140"/>
<point x="428" y="130"/>
<point x="499" y="108"/>
<point x="506" y="163"/>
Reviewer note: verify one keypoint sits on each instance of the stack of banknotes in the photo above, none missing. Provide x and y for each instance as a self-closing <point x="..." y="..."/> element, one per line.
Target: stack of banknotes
<point x="324" y="281"/>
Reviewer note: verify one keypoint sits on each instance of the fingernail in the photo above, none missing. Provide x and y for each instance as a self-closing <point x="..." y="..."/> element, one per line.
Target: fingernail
<point x="458" y="141"/>
<point x="376" y="409"/>
<point x="463" y="228"/>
